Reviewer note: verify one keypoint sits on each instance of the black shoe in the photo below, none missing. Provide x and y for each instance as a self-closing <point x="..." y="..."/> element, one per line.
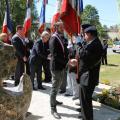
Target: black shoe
<point x="34" y="88"/>
<point x="78" y="109"/>
<point x="41" y="88"/>
<point x="68" y="95"/>
<point x="46" y="81"/>
<point x="12" y="77"/>
<point x="61" y="92"/>
<point x="58" y="103"/>
<point x="79" y="116"/>
<point x="75" y="98"/>
<point x="56" y="115"/>
<point x="16" y="83"/>
<point x="5" y="84"/>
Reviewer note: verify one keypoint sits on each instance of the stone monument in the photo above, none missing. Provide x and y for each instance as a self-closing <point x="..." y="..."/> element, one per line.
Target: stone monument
<point x="13" y="105"/>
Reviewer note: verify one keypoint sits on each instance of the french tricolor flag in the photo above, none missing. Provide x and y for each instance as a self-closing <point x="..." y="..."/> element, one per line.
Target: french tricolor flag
<point x="42" y="16"/>
<point x="7" y="24"/>
<point x="27" y="22"/>
<point x="56" y="16"/>
<point x="70" y="15"/>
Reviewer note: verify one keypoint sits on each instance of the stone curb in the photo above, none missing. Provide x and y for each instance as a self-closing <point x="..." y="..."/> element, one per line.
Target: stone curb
<point x="108" y="107"/>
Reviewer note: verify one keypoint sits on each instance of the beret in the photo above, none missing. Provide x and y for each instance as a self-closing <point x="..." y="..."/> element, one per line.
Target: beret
<point x="84" y="26"/>
<point x="90" y="29"/>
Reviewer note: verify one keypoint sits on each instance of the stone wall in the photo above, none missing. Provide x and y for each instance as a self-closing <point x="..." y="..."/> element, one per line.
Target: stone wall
<point x="13" y="106"/>
<point x="7" y="61"/>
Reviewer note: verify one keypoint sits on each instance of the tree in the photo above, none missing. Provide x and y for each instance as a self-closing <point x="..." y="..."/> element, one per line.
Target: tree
<point x="90" y="16"/>
<point x="17" y="10"/>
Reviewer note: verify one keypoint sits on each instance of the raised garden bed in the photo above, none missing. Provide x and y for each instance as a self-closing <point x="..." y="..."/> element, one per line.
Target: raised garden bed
<point x="109" y="97"/>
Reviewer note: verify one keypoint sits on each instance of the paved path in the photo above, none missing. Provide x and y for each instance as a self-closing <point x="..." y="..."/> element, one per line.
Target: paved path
<point x="40" y="108"/>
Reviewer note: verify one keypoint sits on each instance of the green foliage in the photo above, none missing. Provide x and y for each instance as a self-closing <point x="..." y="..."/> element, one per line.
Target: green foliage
<point x="113" y="103"/>
<point x="112" y="70"/>
<point x="109" y="97"/>
<point x="110" y="42"/>
<point x="106" y="82"/>
<point x="90" y="15"/>
<point x="17" y="11"/>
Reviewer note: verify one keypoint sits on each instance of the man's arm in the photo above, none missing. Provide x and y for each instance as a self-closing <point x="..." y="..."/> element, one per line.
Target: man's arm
<point x="39" y="47"/>
<point x="90" y="55"/>
<point x="19" y="50"/>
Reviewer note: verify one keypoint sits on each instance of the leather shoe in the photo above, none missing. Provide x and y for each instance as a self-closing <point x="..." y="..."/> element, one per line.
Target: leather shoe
<point x="68" y="95"/>
<point x="79" y="116"/>
<point x="61" y="92"/>
<point x="34" y="88"/>
<point x="58" y="103"/>
<point x="56" y="115"/>
<point x="75" y="98"/>
<point x="41" y="88"/>
<point x="78" y="109"/>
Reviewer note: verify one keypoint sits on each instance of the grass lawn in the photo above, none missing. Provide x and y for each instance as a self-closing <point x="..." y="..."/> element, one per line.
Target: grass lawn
<point x="111" y="72"/>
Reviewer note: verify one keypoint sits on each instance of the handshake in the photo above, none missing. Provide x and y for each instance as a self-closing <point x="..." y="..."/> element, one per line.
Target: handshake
<point x="73" y="62"/>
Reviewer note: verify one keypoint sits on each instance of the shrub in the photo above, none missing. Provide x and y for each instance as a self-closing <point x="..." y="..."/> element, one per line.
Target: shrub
<point x="106" y="82"/>
<point x="109" y="97"/>
<point x="113" y="103"/>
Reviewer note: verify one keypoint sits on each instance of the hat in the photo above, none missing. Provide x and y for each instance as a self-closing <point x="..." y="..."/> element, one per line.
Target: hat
<point x="90" y="29"/>
<point x="84" y="26"/>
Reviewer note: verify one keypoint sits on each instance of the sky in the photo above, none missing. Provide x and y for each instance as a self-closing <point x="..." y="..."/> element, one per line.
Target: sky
<point x="107" y="9"/>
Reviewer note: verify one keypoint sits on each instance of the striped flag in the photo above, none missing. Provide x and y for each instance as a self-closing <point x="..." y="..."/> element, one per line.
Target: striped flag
<point x="56" y="16"/>
<point x="7" y="24"/>
<point x="45" y="2"/>
<point x="70" y="15"/>
<point x="27" y="22"/>
<point x="42" y="16"/>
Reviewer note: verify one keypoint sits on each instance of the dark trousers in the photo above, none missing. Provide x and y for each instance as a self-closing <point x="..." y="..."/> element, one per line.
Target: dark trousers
<point x="20" y="67"/>
<point x="64" y="82"/>
<point x="36" y="69"/>
<point x="46" y="67"/>
<point x="57" y="78"/>
<point x="86" y="102"/>
<point x="104" y="60"/>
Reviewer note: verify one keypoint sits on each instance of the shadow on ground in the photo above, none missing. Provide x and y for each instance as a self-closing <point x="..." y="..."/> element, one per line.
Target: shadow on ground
<point x="29" y="116"/>
<point x="112" y="65"/>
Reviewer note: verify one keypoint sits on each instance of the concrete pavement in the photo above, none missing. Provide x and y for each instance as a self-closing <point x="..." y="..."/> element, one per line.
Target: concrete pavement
<point x="40" y="108"/>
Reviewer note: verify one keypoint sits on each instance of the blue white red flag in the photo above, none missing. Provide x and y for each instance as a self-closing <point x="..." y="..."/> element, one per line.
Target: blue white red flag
<point x="27" y="22"/>
<point x="45" y="2"/>
<point x="7" y="24"/>
<point x="56" y="16"/>
<point x="70" y="15"/>
<point x="42" y="16"/>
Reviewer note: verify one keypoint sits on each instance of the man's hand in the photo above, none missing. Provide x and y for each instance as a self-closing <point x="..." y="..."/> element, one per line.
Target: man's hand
<point x="25" y="59"/>
<point x="73" y="62"/>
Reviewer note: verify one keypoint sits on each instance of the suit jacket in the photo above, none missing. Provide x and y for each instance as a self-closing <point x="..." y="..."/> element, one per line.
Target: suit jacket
<point x="19" y="46"/>
<point x="58" y="55"/>
<point x="39" y="52"/>
<point x="90" y="60"/>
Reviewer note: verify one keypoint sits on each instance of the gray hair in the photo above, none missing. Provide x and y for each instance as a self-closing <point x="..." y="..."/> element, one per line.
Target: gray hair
<point x="44" y="33"/>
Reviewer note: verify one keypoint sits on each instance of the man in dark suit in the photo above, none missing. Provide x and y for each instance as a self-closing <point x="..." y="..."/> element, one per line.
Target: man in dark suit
<point x="89" y="67"/>
<point x="57" y="65"/>
<point x="38" y="57"/>
<point x="18" y="41"/>
<point x="104" y="57"/>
